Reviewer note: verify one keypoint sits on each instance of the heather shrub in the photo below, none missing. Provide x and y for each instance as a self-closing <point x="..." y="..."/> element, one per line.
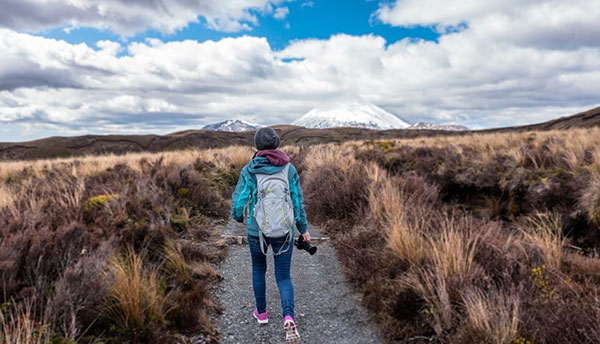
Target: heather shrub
<point x="83" y="241"/>
<point x="79" y="294"/>
<point x="200" y="197"/>
<point x="475" y="239"/>
<point x="342" y="191"/>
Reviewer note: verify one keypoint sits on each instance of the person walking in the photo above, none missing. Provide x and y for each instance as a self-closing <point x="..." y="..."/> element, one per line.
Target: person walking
<point x="269" y="189"/>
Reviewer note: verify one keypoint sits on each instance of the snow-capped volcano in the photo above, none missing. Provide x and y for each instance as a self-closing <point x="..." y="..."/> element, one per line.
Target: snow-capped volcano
<point x="350" y="113"/>
<point x="232" y="125"/>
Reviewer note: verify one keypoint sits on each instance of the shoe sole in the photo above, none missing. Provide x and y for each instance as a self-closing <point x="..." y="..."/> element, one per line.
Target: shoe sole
<point x="261" y="322"/>
<point x="291" y="335"/>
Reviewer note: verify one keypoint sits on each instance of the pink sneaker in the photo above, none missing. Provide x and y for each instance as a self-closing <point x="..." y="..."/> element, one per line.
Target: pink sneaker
<point x="261" y="318"/>
<point x="291" y="333"/>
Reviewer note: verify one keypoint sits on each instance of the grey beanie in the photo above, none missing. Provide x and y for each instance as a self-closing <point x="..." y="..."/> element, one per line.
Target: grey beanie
<point x="266" y="138"/>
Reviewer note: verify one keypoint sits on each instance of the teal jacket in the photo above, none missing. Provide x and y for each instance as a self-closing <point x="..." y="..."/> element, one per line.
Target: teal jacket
<point x="246" y="190"/>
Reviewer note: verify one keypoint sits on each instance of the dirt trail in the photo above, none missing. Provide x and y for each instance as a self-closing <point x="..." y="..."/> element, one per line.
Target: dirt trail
<point x="327" y="311"/>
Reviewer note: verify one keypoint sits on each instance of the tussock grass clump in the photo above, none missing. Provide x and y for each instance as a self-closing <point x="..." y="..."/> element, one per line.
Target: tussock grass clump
<point x="175" y="264"/>
<point x="493" y="317"/>
<point x="452" y="251"/>
<point x="136" y="300"/>
<point x="543" y="231"/>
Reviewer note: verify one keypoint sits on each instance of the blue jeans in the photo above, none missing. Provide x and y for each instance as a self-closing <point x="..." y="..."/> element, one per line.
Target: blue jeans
<point x="283" y="263"/>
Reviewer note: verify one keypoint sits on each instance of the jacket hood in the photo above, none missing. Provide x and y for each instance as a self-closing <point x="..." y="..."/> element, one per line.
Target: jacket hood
<point x="262" y="165"/>
<point x="275" y="156"/>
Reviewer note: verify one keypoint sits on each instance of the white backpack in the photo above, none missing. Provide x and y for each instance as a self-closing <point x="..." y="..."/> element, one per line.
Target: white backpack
<point x="274" y="211"/>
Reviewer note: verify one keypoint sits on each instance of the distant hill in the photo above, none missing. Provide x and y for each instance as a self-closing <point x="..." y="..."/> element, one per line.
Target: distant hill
<point x="53" y="147"/>
<point x="231" y="126"/>
<point x="590" y="118"/>
<point x="431" y="126"/>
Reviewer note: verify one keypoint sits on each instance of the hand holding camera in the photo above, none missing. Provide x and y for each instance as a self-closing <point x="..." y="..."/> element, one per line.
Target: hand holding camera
<point x="303" y="243"/>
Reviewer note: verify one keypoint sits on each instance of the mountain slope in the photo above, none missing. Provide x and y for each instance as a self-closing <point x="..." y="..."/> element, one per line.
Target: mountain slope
<point x="231" y="126"/>
<point x="590" y="118"/>
<point x="356" y="113"/>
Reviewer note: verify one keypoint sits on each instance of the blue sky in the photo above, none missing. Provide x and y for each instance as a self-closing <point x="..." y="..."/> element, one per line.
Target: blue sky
<point x="138" y="66"/>
<point x="306" y="19"/>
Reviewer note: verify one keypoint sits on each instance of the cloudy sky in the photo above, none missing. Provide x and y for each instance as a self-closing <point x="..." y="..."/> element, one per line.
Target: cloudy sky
<point x="71" y="67"/>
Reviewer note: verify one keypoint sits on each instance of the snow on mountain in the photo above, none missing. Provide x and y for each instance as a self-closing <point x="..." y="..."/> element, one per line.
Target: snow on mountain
<point x="350" y="113"/>
<point x="431" y="126"/>
<point x="232" y="125"/>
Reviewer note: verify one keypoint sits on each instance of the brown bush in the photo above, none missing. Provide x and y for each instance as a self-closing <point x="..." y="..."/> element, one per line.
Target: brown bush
<point x="60" y="230"/>
<point x="342" y="194"/>
<point x="434" y="265"/>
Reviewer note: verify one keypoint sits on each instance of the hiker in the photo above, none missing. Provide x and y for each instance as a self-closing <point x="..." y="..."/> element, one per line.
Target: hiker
<point x="269" y="189"/>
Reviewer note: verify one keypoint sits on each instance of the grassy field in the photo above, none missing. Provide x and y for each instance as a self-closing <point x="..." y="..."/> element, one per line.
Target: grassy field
<point x="480" y="238"/>
<point x="113" y="248"/>
<point x="475" y="239"/>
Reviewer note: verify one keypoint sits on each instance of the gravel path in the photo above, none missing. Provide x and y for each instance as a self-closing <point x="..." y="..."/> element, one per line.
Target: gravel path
<point x="327" y="311"/>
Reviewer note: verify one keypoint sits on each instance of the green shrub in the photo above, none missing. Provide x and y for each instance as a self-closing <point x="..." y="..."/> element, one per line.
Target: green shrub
<point x="97" y="202"/>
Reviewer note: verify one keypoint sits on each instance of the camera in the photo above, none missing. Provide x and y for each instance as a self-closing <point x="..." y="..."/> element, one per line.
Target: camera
<point x="305" y="245"/>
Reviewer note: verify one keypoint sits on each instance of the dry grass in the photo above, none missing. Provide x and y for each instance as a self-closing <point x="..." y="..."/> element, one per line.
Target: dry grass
<point x="405" y="240"/>
<point x="389" y="205"/>
<point x="402" y="214"/>
<point x="331" y="155"/>
<point x="18" y="325"/>
<point x="544" y="232"/>
<point x="385" y="200"/>
<point x="205" y="270"/>
<point x="432" y="289"/>
<point x="137" y="297"/>
<point x="590" y="200"/>
<point x="452" y="251"/>
<point x="235" y="156"/>
<point x="6" y="196"/>
<point x="456" y="233"/>
<point x="57" y="215"/>
<point x="175" y="264"/>
<point x="494" y="315"/>
<point x="570" y="146"/>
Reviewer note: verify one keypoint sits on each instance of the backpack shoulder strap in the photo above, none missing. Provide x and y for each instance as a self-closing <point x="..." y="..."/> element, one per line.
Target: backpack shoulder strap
<point x="282" y="175"/>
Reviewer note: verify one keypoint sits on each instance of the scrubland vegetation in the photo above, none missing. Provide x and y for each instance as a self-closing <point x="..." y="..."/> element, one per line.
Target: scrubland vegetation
<point x="113" y="249"/>
<point x="481" y="238"/>
<point x="475" y="239"/>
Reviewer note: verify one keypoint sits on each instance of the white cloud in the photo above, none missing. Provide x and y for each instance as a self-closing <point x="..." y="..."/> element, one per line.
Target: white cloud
<point x="541" y="23"/>
<point x="281" y="12"/>
<point x="480" y="76"/>
<point x="127" y="17"/>
<point x="307" y="4"/>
